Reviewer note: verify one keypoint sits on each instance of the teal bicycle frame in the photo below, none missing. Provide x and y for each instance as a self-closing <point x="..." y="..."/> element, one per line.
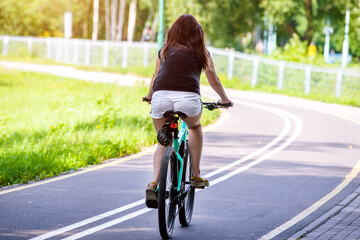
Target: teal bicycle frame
<point x="183" y="132"/>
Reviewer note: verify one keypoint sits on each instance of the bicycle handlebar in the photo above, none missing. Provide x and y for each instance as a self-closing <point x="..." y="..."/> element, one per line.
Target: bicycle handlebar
<point x="215" y="105"/>
<point x="145" y="99"/>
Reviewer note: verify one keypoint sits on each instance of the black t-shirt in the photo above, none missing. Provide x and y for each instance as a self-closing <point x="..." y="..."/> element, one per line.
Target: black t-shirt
<point x="180" y="71"/>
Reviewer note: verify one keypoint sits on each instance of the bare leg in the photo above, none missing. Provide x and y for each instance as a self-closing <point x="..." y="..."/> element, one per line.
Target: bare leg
<point x="158" y="123"/>
<point x="195" y="141"/>
<point x="157" y="161"/>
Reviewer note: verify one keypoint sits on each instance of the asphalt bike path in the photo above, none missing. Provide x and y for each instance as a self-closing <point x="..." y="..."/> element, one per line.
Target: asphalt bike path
<point x="268" y="162"/>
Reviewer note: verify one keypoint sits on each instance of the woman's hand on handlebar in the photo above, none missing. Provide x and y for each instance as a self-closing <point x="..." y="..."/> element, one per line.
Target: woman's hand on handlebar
<point x="225" y="103"/>
<point x="147" y="99"/>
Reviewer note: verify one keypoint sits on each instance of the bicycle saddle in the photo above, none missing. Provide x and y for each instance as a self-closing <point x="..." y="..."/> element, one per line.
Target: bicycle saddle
<point x="171" y="113"/>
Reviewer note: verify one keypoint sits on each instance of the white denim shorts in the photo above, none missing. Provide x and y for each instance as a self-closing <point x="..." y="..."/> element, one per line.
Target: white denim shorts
<point x="165" y="100"/>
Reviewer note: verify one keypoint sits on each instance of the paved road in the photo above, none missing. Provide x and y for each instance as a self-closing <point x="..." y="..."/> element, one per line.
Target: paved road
<point x="271" y="160"/>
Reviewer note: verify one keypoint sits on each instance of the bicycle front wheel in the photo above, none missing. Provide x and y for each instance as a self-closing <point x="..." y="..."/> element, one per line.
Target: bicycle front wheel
<point x="187" y="205"/>
<point x="167" y="193"/>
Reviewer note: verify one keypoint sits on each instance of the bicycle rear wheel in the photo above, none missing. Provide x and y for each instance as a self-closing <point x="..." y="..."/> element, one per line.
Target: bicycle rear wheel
<point x="167" y="193"/>
<point x="187" y="206"/>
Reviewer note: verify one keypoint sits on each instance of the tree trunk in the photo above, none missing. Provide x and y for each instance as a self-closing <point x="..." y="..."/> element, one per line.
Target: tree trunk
<point x="85" y="30"/>
<point x="120" y="26"/>
<point x="107" y="19"/>
<point x="132" y="19"/>
<point x="95" y="20"/>
<point x="309" y="33"/>
<point x="290" y="28"/>
<point x="113" y="19"/>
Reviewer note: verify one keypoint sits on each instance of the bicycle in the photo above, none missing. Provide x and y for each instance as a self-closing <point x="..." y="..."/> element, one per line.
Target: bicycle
<point x="175" y="188"/>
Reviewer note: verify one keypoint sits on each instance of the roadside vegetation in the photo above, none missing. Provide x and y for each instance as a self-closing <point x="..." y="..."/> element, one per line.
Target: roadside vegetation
<point x="50" y="125"/>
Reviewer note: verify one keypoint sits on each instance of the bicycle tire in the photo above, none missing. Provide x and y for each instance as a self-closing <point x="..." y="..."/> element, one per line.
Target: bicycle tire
<point x="187" y="206"/>
<point x="167" y="192"/>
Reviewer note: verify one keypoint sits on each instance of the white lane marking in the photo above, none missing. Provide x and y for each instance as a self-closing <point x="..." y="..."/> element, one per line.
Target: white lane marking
<point x="283" y="133"/>
<point x="108" y="224"/>
<point x="295" y="134"/>
<point x="89" y="220"/>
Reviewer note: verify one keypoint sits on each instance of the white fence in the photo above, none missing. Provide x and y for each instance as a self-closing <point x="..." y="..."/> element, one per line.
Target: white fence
<point x="250" y="69"/>
<point x="81" y="51"/>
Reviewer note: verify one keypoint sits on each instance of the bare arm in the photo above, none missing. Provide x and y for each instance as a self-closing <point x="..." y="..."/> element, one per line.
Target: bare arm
<point x="215" y="83"/>
<point x="157" y="68"/>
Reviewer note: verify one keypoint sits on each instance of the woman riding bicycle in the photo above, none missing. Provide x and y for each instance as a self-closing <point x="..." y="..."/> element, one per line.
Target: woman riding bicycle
<point x="175" y="86"/>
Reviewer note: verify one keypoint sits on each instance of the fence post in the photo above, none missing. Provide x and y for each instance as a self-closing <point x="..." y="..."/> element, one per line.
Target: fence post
<point x="339" y="75"/>
<point x="231" y="56"/>
<point x="307" y="79"/>
<point x="105" y="55"/>
<point x="87" y="52"/>
<point x="48" y="48"/>
<point x="6" y="41"/>
<point x="145" y="54"/>
<point x="124" y="55"/>
<point x="76" y="51"/>
<point x="281" y="75"/>
<point x="255" y="68"/>
<point x="29" y="44"/>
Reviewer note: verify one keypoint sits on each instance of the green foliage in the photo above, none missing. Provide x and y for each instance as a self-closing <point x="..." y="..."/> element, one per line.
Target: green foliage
<point x="226" y="23"/>
<point x="307" y="18"/>
<point x="296" y="50"/>
<point x="31" y="17"/>
<point x="280" y="11"/>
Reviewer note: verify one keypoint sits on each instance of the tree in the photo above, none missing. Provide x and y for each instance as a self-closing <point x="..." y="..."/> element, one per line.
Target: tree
<point x="107" y="19"/>
<point x="132" y="20"/>
<point x="113" y="19"/>
<point x="304" y="17"/>
<point x="121" y="17"/>
<point x="17" y="17"/>
<point x="228" y="21"/>
<point x="95" y="20"/>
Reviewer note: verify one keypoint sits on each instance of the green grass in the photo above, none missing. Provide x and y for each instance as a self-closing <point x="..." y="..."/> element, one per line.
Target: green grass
<point x="50" y="125"/>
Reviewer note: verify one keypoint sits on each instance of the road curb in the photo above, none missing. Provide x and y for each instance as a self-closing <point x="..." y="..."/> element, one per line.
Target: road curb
<point x="326" y="217"/>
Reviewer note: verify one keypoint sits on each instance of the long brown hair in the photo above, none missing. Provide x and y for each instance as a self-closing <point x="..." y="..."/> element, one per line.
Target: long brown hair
<point x="187" y="33"/>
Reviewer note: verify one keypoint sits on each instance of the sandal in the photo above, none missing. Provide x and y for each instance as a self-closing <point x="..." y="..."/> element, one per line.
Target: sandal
<point x="151" y="195"/>
<point x="199" y="182"/>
